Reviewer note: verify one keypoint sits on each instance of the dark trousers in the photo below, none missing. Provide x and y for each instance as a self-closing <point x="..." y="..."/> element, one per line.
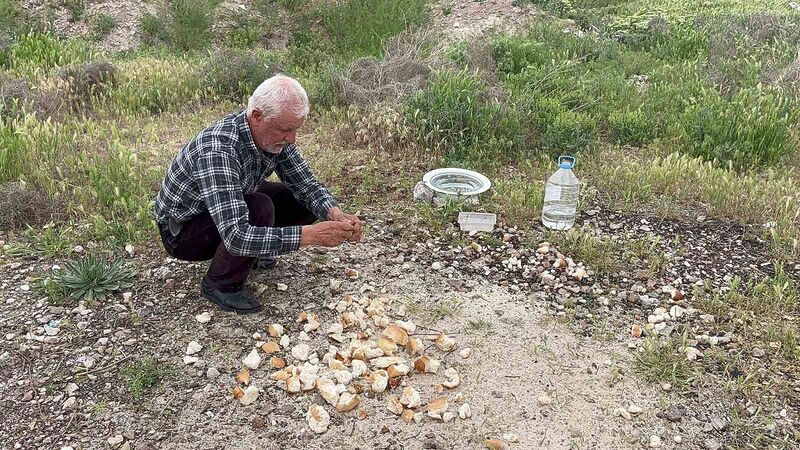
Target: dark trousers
<point x="272" y="204"/>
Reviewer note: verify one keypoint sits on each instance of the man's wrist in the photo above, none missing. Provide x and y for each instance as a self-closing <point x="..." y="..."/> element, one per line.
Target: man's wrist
<point x="307" y="236"/>
<point x="335" y="213"/>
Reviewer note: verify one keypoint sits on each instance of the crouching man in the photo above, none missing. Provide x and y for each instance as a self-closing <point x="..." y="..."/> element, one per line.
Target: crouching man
<point x="214" y="202"/>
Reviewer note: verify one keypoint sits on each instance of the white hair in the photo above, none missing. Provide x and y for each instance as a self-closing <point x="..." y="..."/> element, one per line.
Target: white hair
<point x="277" y="93"/>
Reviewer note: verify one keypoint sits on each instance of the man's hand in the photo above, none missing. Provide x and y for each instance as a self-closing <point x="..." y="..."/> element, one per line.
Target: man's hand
<point x="327" y="234"/>
<point x="337" y="215"/>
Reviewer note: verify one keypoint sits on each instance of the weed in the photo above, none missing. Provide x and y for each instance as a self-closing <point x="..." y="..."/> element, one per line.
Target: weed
<point x="35" y="53"/>
<point x="92" y="278"/>
<point x="478" y="326"/>
<point x="56" y="293"/>
<point x="630" y="127"/>
<point x="154" y="30"/>
<point x="101" y="26"/>
<point x="191" y="23"/>
<point x="598" y="252"/>
<point x="76" y="9"/>
<point x="660" y="361"/>
<point x="236" y="74"/>
<point x="52" y="241"/>
<point x="144" y="374"/>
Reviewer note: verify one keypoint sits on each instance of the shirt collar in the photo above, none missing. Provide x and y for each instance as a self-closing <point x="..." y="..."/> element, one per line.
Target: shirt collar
<point x="245" y="133"/>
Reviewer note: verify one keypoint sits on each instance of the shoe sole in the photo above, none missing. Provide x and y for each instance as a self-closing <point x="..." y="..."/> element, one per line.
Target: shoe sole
<point x="228" y="308"/>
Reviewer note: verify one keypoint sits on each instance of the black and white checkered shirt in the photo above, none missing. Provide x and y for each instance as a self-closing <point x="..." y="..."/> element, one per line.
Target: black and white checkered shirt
<point x="214" y="171"/>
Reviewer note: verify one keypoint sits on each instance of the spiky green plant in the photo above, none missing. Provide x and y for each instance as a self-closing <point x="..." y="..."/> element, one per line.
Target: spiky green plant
<point x="92" y="278"/>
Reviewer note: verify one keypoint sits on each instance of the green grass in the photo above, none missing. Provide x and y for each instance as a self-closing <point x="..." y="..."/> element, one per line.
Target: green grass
<point x="143" y="375"/>
<point x="660" y="361"/>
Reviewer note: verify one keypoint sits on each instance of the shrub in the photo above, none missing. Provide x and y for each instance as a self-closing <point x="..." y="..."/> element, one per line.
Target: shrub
<point x="101" y="26"/>
<point x="34" y="52"/>
<point x="570" y="133"/>
<point x="82" y="82"/>
<point x="360" y="27"/>
<point x="453" y="116"/>
<point x="15" y="97"/>
<point x="76" y="9"/>
<point x="191" y="22"/>
<point x="749" y="130"/>
<point x="236" y="74"/>
<point x="631" y="127"/>
<point x="91" y="278"/>
<point x="21" y="206"/>
<point x="154" y="30"/>
<point x="244" y="32"/>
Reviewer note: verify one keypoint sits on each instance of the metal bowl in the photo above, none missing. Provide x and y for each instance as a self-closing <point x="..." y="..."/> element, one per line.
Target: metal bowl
<point x="458" y="182"/>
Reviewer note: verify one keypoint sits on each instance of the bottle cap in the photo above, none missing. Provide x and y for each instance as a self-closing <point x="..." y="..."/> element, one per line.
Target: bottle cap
<point x="566" y="162"/>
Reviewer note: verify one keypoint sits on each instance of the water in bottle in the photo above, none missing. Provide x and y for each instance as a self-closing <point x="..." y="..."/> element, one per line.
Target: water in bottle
<point x="561" y="196"/>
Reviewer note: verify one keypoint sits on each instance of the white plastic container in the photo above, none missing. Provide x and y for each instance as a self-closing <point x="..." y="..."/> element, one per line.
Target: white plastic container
<point x="561" y="196"/>
<point x="472" y="221"/>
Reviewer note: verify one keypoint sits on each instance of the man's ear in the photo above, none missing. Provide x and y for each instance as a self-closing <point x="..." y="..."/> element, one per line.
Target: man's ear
<point x="256" y="115"/>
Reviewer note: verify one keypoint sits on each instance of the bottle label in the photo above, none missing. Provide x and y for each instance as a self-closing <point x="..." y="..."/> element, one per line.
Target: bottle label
<point x="552" y="193"/>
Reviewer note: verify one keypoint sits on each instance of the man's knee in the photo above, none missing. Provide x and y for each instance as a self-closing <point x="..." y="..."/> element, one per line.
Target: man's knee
<point x="261" y="208"/>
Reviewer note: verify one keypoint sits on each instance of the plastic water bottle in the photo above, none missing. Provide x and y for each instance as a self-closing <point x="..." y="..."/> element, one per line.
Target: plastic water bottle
<point x="561" y="196"/>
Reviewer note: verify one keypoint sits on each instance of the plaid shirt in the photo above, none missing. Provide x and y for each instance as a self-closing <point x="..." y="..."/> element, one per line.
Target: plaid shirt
<point x="214" y="171"/>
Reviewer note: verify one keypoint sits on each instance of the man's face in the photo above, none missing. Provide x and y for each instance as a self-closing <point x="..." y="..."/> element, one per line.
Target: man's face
<point x="271" y="135"/>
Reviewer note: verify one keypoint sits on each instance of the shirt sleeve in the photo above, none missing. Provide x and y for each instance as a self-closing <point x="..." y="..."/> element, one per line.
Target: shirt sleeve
<point x="294" y="172"/>
<point x="217" y="173"/>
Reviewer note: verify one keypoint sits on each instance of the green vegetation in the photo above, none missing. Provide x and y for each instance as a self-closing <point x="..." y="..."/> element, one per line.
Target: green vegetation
<point x="101" y="25"/>
<point x="144" y="374"/>
<point x="91" y="278"/>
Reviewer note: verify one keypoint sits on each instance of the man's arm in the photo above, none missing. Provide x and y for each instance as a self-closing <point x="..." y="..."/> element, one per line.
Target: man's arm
<point x="218" y="176"/>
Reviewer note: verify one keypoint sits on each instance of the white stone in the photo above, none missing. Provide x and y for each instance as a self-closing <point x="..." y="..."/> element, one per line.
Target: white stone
<point x="204" y="317"/>
<point x="187" y="360"/>
<point x="281" y="286"/>
<point x="300" y="351"/>
<point x="285" y="341"/>
<point x="318" y="419"/>
<point x="655" y="441"/>
<point x="678" y="439"/>
<point x="212" y="373"/>
<point x="465" y="353"/>
<point x="250" y="395"/>
<point x="71" y="389"/>
<point x="193" y="347"/>
<point x="436" y="265"/>
<point x="129" y="248"/>
<point x="252" y="360"/>
<point x="115" y="440"/>
<point x="464" y="412"/>
<point x="544" y="400"/>
<point x="70" y="404"/>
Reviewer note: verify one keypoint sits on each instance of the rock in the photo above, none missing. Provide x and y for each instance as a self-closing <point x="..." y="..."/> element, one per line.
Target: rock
<point x="410" y="397"/>
<point x="436" y="407"/>
<point x="284" y="341"/>
<point x="465" y="353"/>
<point x="414" y="346"/>
<point x="252" y="360"/>
<point x="666" y="386"/>
<point x="544" y="400"/>
<point x="409" y="326"/>
<point x="347" y="402"/>
<point x="453" y="379"/>
<point x="758" y="353"/>
<point x="270" y="347"/>
<point x="444" y="342"/>
<point x="672" y="414"/>
<point x="719" y="423"/>
<point x="437" y="266"/>
<point x="711" y="444"/>
<point x="464" y="412"/>
<point x="243" y="377"/>
<point x="115" y="440"/>
<point x="250" y="395"/>
<point x="396" y="334"/>
<point x="318" y="419"/>
<point x="622" y="412"/>
<point x="707" y="318"/>
<point x="193" y="347"/>
<point x="71" y="389"/>
<point x="677" y="438"/>
<point x="70" y="404"/>
<point x="275" y="330"/>
<point x="328" y="390"/>
<point x="212" y="373"/>
<point x="281" y="286"/>
<point x="655" y="441"/>
<point x="300" y="351"/>
<point x="380" y="379"/>
<point x="636" y="330"/>
<point x="495" y="444"/>
<point x="203" y="318"/>
<point x="635" y="410"/>
<point x="386" y="361"/>
<point x="393" y="405"/>
<point x="425" y="364"/>
<point x="692" y="353"/>
<point x="189" y="360"/>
